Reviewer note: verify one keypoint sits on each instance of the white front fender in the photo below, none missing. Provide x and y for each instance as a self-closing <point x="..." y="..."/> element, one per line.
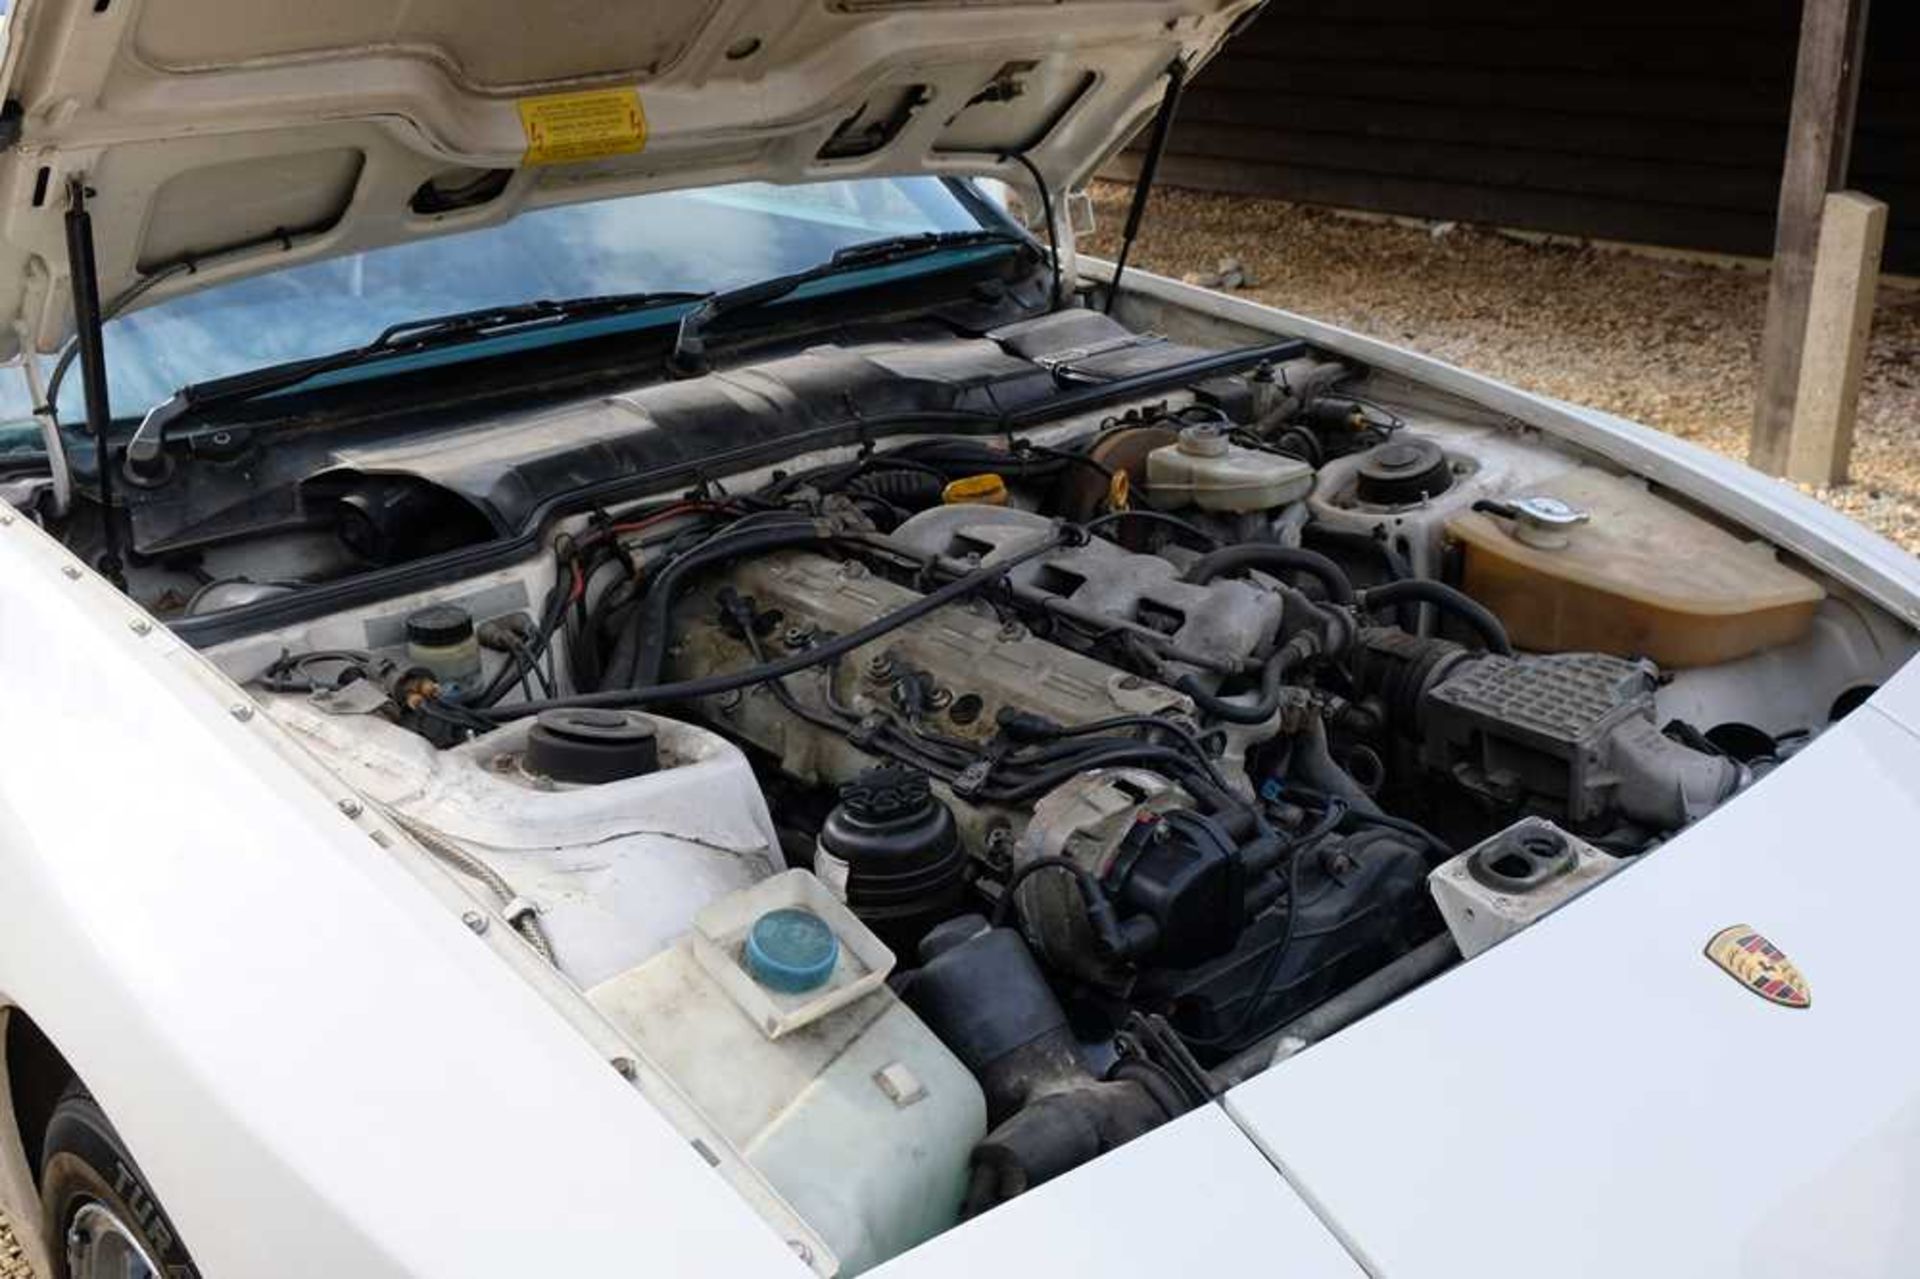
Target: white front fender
<point x="320" y="1070"/>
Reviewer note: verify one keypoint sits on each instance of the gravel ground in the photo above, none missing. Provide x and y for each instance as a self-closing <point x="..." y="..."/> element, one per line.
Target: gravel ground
<point x="12" y="1264"/>
<point x="1667" y="342"/>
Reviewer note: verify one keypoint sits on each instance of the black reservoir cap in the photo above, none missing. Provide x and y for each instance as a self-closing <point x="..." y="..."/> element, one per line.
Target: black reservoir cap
<point x="589" y="745"/>
<point x="1403" y="471"/>
<point x="439" y="626"/>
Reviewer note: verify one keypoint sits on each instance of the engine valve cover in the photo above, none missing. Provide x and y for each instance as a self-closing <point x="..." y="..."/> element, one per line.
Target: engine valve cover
<point x="978" y="664"/>
<point x="1222" y="622"/>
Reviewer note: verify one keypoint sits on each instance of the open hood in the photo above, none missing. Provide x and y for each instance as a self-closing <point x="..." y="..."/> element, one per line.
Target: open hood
<point x="246" y="136"/>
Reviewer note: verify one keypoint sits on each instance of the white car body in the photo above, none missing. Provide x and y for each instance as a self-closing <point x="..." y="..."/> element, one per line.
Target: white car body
<point x="325" y="1073"/>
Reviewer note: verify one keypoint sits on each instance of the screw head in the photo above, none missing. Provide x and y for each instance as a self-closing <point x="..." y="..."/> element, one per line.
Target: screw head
<point x="625" y="1068"/>
<point x="350" y="806"/>
<point x="240" y="711"/>
<point x="70" y="572"/>
<point x="475" y="921"/>
<point x="139" y="626"/>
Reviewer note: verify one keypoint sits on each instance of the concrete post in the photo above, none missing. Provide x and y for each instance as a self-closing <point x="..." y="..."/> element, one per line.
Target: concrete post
<point x="1846" y="272"/>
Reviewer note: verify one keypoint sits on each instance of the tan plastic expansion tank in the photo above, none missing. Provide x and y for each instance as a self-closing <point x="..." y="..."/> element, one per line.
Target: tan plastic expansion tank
<point x="1642" y="578"/>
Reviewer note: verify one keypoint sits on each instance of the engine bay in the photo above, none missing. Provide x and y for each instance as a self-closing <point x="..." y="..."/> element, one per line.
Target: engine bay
<point x="970" y="801"/>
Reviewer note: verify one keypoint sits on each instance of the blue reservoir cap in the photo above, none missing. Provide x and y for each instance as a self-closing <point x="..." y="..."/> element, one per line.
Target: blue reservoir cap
<point x="791" y="950"/>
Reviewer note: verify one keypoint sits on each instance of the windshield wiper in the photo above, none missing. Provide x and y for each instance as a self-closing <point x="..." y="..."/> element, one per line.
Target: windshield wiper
<point x="689" y="355"/>
<point x="146" y="451"/>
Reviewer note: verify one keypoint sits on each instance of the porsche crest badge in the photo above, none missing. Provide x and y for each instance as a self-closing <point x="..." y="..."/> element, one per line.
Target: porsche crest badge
<point x="1757" y="964"/>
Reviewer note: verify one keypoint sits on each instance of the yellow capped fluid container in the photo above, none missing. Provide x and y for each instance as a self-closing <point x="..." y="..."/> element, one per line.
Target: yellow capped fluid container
<point x="1592" y="562"/>
<point x="976" y="490"/>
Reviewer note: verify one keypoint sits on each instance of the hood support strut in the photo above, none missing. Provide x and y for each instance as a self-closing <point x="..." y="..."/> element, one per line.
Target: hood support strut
<point x="85" y="285"/>
<point x="1149" y="165"/>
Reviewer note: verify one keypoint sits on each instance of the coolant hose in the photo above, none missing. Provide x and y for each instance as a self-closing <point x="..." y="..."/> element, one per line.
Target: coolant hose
<point x="1272" y="680"/>
<point x="1447" y="599"/>
<point x="1361" y="544"/>
<point x="1265" y="555"/>
<point x="1379" y="548"/>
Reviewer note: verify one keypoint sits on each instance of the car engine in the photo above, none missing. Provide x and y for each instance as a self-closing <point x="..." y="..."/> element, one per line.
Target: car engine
<point x="1037" y="786"/>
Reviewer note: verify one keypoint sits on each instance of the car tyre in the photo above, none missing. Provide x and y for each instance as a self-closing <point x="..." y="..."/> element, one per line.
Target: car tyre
<point x="100" y="1215"/>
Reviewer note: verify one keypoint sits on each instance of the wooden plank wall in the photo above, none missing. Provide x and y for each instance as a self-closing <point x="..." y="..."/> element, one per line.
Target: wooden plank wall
<point x="1658" y="121"/>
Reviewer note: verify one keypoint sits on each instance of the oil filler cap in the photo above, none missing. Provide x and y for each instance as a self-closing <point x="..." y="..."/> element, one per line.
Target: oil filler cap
<point x="791" y="950"/>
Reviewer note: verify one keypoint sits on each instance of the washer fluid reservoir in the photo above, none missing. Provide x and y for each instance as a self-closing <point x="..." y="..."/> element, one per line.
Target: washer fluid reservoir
<point x="773" y="1017"/>
<point x="1594" y="562"/>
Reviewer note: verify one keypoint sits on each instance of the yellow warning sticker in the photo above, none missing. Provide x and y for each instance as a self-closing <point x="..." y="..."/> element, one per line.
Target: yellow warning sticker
<point x="563" y="127"/>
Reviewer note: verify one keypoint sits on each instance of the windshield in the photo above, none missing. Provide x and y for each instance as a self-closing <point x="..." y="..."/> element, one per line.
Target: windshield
<point x="697" y="241"/>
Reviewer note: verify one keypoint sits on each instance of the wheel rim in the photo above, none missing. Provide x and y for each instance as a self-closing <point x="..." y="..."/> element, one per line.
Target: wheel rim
<point x="101" y="1246"/>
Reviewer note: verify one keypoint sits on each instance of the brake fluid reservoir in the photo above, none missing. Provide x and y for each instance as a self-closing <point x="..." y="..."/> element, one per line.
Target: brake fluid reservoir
<point x="1594" y="562"/>
<point x="441" y="638"/>
<point x="1204" y="468"/>
<point x="774" y="1018"/>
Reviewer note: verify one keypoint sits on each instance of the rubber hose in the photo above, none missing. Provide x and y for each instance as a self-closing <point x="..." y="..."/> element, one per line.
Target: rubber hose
<point x="1159" y="759"/>
<point x="652" y="621"/>
<point x="1151" y="1080"/>
<point x="1287" y="559"/>
<point x="913" y="490"/>
<point x="1272" y="679"/>
<point x="1397" y="567"/>
<point x="818" y="655"/>
<point x="1463" y="606"/>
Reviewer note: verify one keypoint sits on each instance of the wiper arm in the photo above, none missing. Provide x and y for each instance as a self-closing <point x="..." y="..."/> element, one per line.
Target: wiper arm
<point x="689" y="355"/>
<point x="146" y="451"/>
<point x="893" y="248"/>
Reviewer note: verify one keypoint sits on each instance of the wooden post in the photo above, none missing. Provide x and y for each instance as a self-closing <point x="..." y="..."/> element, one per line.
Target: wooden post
<point x="1853" y="230"/>
<point x="1819" y="137"/>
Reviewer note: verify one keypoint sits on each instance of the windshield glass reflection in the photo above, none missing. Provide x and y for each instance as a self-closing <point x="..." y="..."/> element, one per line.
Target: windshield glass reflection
<point x="695" y="241"/>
